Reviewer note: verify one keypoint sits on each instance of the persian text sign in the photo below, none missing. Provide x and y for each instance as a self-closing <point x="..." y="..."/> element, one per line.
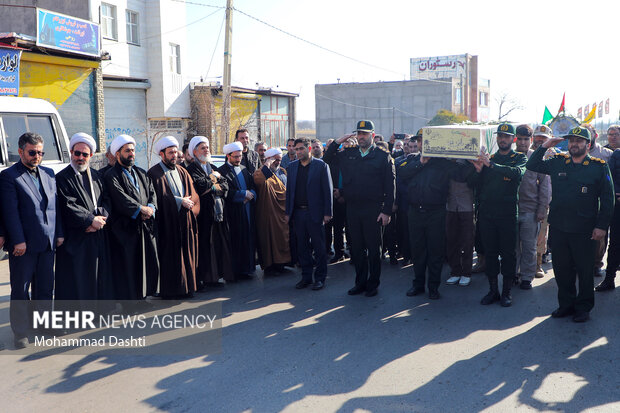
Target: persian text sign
<point x="9" y="71"/>
<point x="62" y="32"/>
<point x="438" y="67"/>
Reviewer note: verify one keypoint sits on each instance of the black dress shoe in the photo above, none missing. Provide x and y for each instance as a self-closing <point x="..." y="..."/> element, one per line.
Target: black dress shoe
<point x="371" y="293"/>
<point x="356" y="290"/>
<point x="581" y="317"/>
<point x="20" y="342"/>
<point x="562" y="312"/>
<point x="302" y="284"/>
<point x="525" y="285"/>
<point x="415" y="291"/>
<point x="606" y="285"/>
<point x="505" y="300"/>
<point x="318" y="285"/>
<point x="393" y="260"/>
<point x="598" y="272"/>
<point x="433" y="294"/>
<point x="490" y="298"/>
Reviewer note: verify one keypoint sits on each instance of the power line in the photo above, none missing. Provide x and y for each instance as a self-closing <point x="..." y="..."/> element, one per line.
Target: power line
<point x="215" y="48"/>
<point x="200" y="4"/>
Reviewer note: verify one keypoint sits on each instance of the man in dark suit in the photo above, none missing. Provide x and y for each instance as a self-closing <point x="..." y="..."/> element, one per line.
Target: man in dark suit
<point x="33" y="230"/>
<point x="249" y="158"/>
<point x="309" y="204"/>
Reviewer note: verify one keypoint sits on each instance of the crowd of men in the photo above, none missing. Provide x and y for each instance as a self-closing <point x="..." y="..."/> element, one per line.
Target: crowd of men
<point x="123" y="233"/>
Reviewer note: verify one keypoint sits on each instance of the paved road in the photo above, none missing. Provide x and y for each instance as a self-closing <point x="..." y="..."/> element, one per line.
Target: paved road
<point x="308" y="351"/>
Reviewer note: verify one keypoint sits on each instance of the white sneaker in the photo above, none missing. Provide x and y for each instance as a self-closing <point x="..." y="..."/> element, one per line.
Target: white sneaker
<point x="464" y="281"/>
<point x="452" y="280"/>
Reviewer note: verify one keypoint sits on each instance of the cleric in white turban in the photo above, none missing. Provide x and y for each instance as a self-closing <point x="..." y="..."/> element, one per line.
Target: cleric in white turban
<point x="196" y="140"/>
<point x="166" y="142"/>
<point x="82" y="137"/>
<point x="119" y="142"/>
<point x="233" y="147"/>
<point x="272" y="152"/>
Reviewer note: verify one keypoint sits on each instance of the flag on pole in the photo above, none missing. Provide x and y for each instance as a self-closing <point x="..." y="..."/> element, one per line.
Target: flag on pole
<point x="547" y="116"/>
<point x="590" y="115"/>
<point x="562" y="109"/>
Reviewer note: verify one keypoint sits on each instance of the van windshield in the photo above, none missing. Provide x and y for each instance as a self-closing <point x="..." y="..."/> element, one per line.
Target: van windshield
<point x="15" y="125"/>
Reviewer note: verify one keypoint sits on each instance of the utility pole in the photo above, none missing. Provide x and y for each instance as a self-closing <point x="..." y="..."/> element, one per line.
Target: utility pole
<point x="226" y="86"/>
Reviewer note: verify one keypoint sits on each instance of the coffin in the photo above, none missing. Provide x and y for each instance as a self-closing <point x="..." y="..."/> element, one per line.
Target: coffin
<point x="458" y="141"/>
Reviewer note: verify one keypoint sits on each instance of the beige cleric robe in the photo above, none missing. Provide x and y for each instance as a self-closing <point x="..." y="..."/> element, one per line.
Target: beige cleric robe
<point x="272" y="229"/>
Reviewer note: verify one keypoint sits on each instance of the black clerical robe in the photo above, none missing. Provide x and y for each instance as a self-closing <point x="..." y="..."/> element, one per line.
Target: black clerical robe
<point x="240" y="218"/>
<point x="82" y="262"/>
<point x="132" y="239"/>
<point x="177" y="234"/>
<point x="214" y="256"/>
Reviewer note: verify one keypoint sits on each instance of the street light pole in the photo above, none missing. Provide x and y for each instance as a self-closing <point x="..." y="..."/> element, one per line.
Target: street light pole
<point x="226" y="90"/>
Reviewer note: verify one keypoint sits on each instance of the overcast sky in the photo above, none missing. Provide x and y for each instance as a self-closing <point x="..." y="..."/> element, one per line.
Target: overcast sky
<point x="534" y="50"/>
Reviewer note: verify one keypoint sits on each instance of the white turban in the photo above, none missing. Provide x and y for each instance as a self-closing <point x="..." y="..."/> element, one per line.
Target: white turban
<point x="233" y="147"/>
<point x="82" y="137"/>
<point x="119" y="142"/>
<point x="166" y="142"/>
<point x="272" y="152"/>
<point x="196" y="140"/>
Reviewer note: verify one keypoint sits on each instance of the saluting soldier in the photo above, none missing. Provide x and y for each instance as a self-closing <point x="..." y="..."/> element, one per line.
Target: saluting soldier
<point x="582" y="203"/>
<point x="368" y="188"/>
<point x="498" y="178"/>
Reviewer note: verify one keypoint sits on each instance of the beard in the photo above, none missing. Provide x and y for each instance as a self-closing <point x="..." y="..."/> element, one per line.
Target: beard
<point x="577" y="151"/>
<point x="126" y="161"/>
<point x="78" y="167"/>
<point x="204" y="158"/>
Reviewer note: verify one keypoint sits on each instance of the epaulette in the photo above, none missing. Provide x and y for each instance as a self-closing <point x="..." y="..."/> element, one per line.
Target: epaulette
<point x="601" y="161"/>
<point x="513" y="155"/>
<point x="382" y="149"/>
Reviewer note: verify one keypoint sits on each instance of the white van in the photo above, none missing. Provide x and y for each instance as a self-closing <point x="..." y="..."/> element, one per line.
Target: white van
<point x="19" y="115"/>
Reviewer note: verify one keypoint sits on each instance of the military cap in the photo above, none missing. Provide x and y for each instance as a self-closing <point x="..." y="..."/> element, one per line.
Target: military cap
<point x="543" y="130"/>
<point x="365" y="126"/>
<point x="580" y="133"/>
<point x="506" y="129"/>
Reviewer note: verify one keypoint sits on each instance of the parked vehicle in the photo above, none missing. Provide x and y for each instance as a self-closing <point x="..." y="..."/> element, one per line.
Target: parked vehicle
<point x="19" y="115"/>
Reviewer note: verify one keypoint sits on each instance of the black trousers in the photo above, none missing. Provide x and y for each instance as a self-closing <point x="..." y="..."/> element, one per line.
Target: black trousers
<point x="32" y="278"/>
<point x="499" y="238"/>
<point x="460" y="242"/>
<point x="310" y="237"/>
<point x="336" y="225"/>
<point x="428" y="244"/>
<point x="573" y="259"/>
<point x="366" y="236"/>
<point x="613" y="252"/>
<point x="402" y="229"/>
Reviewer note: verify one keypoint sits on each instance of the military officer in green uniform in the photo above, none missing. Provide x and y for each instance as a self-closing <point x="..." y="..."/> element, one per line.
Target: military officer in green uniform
<point x="368" y="188"/>
<point x="582" y="204"/>
<point x="498" y="178"/>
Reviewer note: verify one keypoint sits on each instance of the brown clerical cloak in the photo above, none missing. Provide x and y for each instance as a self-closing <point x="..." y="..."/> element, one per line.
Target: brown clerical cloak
<point x="177" y="234"/>
<point x="271" y="225"/>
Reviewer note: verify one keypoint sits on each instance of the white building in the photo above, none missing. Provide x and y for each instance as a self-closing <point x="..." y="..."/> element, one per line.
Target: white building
<point x="146" y="94"/>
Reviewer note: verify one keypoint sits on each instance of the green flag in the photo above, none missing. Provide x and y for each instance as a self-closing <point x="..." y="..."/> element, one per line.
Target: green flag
<point x="547" y="116"/>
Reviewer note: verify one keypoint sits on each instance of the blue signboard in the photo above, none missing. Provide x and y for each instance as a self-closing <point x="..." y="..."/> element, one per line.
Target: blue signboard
<point x="9" y="71"/>
<point x="62" y="32"/>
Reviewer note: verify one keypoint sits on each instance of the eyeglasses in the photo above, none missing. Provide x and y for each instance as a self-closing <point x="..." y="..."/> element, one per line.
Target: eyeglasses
<point x="84" y="154"/>
<point x="33" y="153"/>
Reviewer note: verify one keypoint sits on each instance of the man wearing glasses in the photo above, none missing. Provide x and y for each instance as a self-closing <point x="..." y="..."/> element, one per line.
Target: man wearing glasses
<point x="33" y="231"/>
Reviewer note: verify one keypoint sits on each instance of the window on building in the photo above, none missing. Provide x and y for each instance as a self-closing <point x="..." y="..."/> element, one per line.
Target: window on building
<point x="132" y="27"/>
<point x="108" y="21"/>
<point x="484" y="99"/>
<point x="175" y="58"/>
<point x="158" y="124"/>
<point x="175" y="124"/>
<point x="457" y="96"/>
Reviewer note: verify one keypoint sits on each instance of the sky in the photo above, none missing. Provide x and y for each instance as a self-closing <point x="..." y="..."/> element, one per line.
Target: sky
<point x="532" y="50"/>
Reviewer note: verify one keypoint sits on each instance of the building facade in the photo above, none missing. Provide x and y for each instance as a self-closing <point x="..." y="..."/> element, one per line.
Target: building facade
<point x="145" y="87"/>
<point x="268" y="115"/>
